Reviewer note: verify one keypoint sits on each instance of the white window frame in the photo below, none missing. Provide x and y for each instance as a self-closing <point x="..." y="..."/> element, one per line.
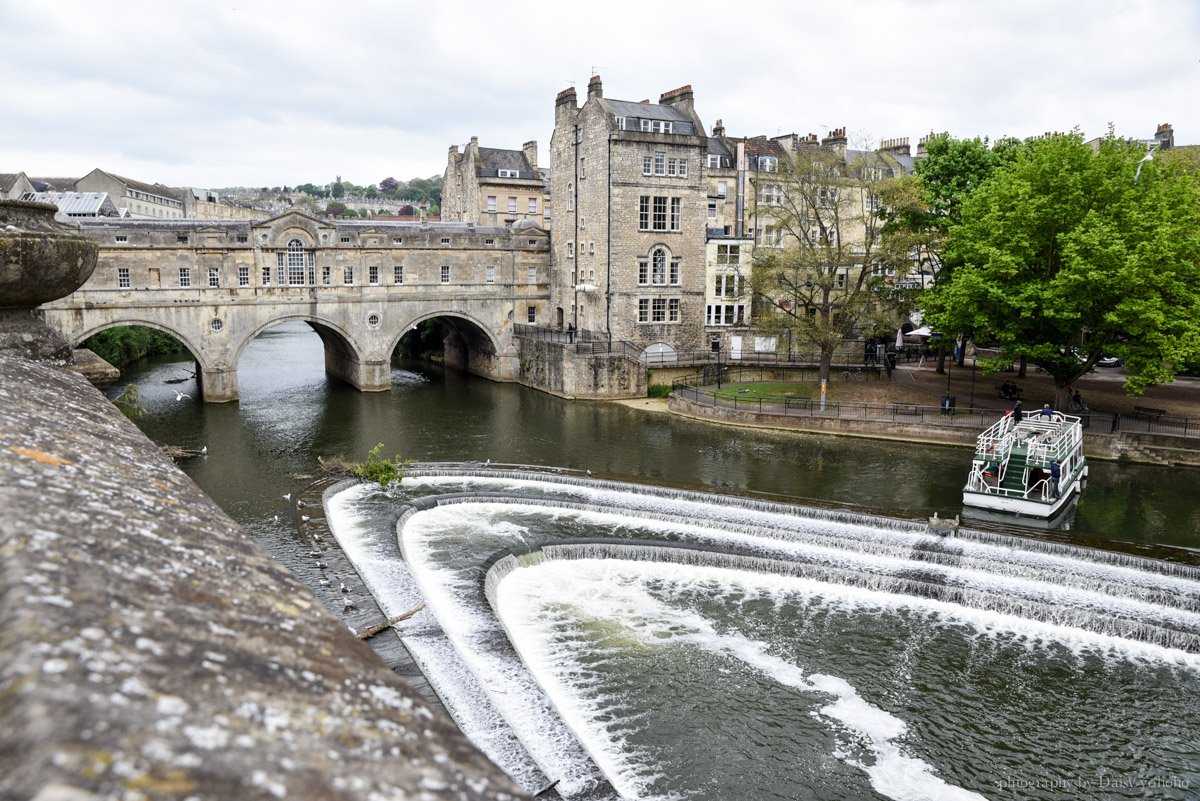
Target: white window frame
<point x="714" y="161"/>
<point x="445" y="273"/>
<point x="123" y="281"/>
<point x="373" y="274"/>
<point x="185" y="277"/>
<point x="348" y="275"/>
<point x="243" y="276"/>
<point x="489" y="273"/>
<point x="398" y="273"/>
<point x="512" y="204"/>
<point x="214" y="277"/>
<point x="491" y="203"/>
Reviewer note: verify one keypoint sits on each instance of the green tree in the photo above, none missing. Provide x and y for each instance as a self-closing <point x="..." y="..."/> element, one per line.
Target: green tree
<point x="1060" y="250"/>
<point x="817" y="274"/>
<point x="950" y="172"/>
<point x="335" y="208"/>
<point x="337" y="189"/>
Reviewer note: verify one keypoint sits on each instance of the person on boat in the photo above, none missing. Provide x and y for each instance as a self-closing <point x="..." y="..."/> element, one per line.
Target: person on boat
<point x="990" y="474"/>
<point x="1017" y="413"/>
<point x="1046" y="411"/>
<point x="1055" y="475"/>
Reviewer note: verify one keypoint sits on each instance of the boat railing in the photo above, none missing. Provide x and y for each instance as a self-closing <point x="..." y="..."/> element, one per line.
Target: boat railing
<point x="1053" y="438"/>
<point x="976" y="482"/>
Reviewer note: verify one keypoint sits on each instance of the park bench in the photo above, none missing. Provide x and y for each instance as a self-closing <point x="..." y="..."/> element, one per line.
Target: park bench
<point x="1148" y="412"/>
<point x="1010" y="392"/>
<point x="905" y="408"/>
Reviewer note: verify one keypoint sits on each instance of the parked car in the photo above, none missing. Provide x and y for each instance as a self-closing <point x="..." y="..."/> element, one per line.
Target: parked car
<point x="1109" y="361"/>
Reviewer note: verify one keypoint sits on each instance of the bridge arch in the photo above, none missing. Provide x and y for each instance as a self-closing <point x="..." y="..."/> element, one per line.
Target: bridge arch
<point x="196" y="351"/>
<point x="468" y="344"/>
<point x="344" y="355"/>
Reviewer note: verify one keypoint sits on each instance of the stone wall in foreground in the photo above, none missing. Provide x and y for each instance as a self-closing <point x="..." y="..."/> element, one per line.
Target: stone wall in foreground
<point x="150" y="649"/>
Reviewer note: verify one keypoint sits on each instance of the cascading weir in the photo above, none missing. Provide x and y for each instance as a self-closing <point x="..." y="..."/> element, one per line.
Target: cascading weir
<point x="675" y="643"/>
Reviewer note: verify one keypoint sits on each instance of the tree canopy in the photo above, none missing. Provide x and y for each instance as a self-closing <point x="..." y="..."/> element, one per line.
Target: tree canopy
<point x="1062" y="258"/>
<point x="818" y="270"/>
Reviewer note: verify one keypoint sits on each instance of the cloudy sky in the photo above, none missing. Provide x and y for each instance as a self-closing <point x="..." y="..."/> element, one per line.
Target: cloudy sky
<point x="222" y="93"/>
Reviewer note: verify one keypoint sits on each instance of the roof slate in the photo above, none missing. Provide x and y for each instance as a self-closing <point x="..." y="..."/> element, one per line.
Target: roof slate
<point x="492" y="158"/>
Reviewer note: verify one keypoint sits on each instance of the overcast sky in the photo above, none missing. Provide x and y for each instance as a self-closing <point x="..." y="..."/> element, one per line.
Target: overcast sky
<point x="247" y="92"/>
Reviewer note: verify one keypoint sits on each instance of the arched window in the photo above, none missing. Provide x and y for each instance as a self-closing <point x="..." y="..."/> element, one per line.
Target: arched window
<point x="658" y="266"/>
<point x="295" y="262"/>
<point x="570" y="197"/>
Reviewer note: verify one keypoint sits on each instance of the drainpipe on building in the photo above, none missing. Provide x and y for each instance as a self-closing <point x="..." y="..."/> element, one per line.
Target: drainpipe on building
<point x="608" y="251"/>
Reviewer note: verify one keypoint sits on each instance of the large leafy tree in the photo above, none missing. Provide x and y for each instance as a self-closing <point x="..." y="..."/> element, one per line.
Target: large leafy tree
<point x="1062" y="257"/>
<point x="818" y="271"/>
<point x="923" y="207"/>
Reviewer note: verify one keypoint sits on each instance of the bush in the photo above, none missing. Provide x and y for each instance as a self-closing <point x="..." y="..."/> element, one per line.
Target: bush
<point x="659" y="391"/>
<point x="126" y="344"/>
<point x="380" y="470"/>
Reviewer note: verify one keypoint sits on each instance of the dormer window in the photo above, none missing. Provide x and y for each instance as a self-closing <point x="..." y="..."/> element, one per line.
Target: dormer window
<point x="508" y="173"/>
<point x="768" y="164"/>
<point x="714" y="161"/>
<point x="658" y="126"/>
<point x="622" y="123"/>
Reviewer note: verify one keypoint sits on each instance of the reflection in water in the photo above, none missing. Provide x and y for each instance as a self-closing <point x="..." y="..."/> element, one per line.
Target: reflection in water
<point x="290" y="412"/>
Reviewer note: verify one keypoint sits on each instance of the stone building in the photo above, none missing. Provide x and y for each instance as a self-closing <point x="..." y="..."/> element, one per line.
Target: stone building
<point x="489" y="186"/>
<point x="142" y="200"/>
<point x="15" y="184"/>
<point x="628" y="231"/>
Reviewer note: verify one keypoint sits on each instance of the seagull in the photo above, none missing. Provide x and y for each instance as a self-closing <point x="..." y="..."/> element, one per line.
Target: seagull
<point x="276" y="518"/>
<point x="1148" y="157"/>
<point x="324" y="582"/>
<point x="180" y="396"/>
<point x="487" y="463"/>
<point x="300" y="504"/>
<point x="314" y="553"/>
<point x="304" y="518"/>
<point x="343" y="587"/>
<point x="321" y="565"/>
<point x="346" y="607"/>
<point x="287" y="497"/>
<point x="589" y="472"/>
<point x="204" y="451"/>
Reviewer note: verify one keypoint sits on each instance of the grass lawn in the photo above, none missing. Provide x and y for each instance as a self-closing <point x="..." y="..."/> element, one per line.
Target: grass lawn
<point x="768" y="390"/>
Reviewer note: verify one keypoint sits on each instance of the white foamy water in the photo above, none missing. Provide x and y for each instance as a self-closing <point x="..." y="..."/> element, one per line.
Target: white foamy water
<point x="548" y="715"/>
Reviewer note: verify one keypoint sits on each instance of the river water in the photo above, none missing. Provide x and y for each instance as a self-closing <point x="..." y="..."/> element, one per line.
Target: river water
<point x="824" y="656"/>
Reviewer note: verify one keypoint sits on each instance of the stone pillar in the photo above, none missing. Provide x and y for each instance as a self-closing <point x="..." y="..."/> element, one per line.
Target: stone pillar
<point x="374" y="376"/>
<point x="218" y="384"/>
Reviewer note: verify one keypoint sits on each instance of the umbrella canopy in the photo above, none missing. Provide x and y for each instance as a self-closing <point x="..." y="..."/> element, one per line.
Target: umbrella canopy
<point x="923" y="331"/>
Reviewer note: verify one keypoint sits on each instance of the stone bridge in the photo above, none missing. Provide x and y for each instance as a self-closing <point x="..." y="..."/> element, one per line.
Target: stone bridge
<point x="361" y="286"/>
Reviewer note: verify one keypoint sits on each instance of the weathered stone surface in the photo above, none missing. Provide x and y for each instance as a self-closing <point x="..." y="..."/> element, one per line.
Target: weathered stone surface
<point x="149" y="649"/>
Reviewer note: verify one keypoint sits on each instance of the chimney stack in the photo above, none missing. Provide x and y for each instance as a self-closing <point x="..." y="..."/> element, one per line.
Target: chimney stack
<point x="595" y="87"/>
<point x="681" y="98"/>
<point x="530" y="151"/>
<point x="1165" y="136"/>
<point x="836" y="140"/>
<point x="895" y="147"/>
<point x="718" y="128"/>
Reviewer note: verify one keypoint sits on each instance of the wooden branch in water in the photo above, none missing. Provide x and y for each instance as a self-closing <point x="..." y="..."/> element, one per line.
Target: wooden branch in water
<point x="371" y="631"/>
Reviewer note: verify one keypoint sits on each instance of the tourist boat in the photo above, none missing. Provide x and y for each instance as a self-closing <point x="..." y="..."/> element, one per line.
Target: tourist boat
<point x="1011" y="470"/>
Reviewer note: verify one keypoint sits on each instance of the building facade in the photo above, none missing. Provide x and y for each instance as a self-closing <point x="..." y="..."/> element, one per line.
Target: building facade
<point x="490" y="186"/>
<point x="140" y="200"/>
<point x="630" y="209"/>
